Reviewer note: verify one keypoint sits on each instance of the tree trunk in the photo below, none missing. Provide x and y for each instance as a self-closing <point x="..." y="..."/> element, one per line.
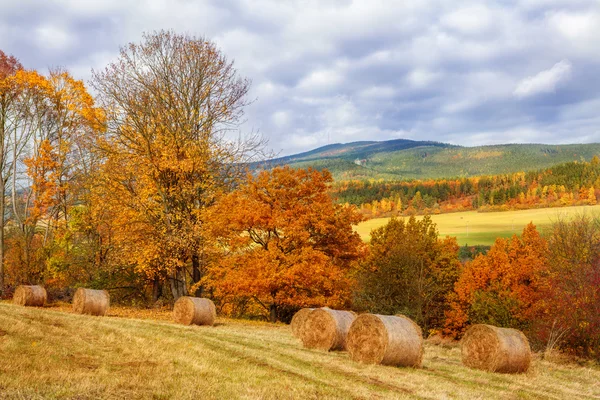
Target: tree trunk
<point x="197" y="275"/>
<point x="273" y="312"/>
<point x="177" y="280"/>
<point x="2" y="208"/>
<point x="156" y="289"/>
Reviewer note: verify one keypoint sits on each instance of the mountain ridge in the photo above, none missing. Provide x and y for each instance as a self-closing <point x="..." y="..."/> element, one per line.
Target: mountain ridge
<point x="404" y="159"/>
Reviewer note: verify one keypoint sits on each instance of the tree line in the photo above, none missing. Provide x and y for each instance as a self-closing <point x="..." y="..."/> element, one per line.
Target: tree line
<point x="547" y="287"/>
<point x="573" y="183"/>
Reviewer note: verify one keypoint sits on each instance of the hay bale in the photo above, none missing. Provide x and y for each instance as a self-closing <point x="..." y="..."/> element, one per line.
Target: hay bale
<point x="34" y="296"/>
<point x="298" y="320"/>
<point x="91" y="301"/>
<point x="495" y="349"/>
<point x="385" y="339"/>
<point x="194" y="310"/>
<point x="326" y="329"/>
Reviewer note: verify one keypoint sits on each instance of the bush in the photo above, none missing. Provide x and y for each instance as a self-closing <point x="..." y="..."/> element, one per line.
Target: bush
<point x="409" y="271"/>
<point x="573" y="303"/>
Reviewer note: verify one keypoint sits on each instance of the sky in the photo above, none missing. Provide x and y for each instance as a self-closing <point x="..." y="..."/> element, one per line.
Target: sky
<point x="338" y="71"/>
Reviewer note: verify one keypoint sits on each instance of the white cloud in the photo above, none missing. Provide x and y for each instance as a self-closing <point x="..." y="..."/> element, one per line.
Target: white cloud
<point x="575" y="26"/>
<point x="341" y="113"/>
<point x="473" y="19"/>
<point x="378" y="92"/>
<point x="579" y="31"/>
<point x="545" y="81"/>
<point x="321" y="80"/>
<point x="421" y="78"/>
<point x="52" y="37"/>
<point x="337" y="70"/>
<point x="305" y="141"/>
<point x="281" y="119"/>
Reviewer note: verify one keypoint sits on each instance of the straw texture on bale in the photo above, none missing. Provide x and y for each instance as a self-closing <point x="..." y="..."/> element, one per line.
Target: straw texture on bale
<point x="91" y="301"/>
<point x="495" y="349"/>
<point x="194" y="310"/>
<point x="326" y="329"/>
<point x="298" y="320"/>
<point x="34" y="296"/>
<point x="385" y="339"/>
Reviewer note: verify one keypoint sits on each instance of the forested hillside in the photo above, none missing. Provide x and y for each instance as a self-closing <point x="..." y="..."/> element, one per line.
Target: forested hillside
<point x="573" y="183"/>
<point x="405" y="159"/>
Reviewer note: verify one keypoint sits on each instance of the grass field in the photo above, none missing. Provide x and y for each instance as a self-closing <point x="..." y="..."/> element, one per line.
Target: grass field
<point x="49" y="354"/>
<point x="475" y="228"/>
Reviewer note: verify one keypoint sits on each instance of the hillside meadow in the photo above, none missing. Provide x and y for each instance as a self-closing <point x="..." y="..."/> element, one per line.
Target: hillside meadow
<point x="51" y="353"/>
<point x="476" y="228"/>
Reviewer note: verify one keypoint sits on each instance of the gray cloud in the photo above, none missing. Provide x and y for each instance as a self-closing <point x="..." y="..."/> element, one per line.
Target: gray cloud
<point x="336" y="71"/>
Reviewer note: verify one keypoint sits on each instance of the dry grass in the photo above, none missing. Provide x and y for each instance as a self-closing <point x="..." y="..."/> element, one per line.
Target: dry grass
<point x="53" y="354"/>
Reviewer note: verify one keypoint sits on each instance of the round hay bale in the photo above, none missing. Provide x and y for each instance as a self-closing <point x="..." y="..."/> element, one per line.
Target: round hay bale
<point x="298" y="320"/>
<point x="91" y="301"/>
<point x="326" y="329"/>
<point x="194" y="310"/>
<point x="495" y="349"/>
<point x="385" y="339"/>
<point x="34" y="296"/>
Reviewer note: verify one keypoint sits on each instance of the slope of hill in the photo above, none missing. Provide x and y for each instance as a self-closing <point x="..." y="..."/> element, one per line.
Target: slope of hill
<point x="357" y="150"/>
<point x="49" y="354"/>
<point x="406" y="159"/>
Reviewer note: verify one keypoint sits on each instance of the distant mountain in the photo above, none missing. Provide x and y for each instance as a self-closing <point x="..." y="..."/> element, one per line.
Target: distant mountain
<point x="409" y="159"/>
<point x="354" y="150"/>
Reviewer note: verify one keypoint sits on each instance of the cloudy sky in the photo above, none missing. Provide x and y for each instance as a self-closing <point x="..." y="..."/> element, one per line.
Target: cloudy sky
<point x="328" y="71"/>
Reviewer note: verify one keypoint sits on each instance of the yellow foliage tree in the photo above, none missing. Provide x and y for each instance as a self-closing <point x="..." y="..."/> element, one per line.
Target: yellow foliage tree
<point x="171" y="101"/>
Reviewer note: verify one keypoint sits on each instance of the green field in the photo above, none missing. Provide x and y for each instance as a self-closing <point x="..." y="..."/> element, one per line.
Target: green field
<point x="48" y="354"/>
<point x="474" y="228"/>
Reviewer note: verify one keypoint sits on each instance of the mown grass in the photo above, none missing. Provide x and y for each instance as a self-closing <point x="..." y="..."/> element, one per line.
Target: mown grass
<point x="54" y="354"/>
<point x="474" y="228"/>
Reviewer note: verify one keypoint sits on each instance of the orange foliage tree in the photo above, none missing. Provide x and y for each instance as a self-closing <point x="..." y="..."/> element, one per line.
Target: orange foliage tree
<point x="505" y="287"/>
<point x="286" y="244"/>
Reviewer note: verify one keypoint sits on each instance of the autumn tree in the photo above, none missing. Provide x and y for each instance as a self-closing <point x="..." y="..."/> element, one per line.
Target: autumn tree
<point x="22" y="116"/>
<point x="172" y="102"/>
<point x="286" y="243"/>
<point x="504" y="287"/>
<point x="45" y="122"/>
<point x="409" y="270"/>
<point x="572" y="301"/>
<point x="60" y="167"/>
<point x="9" y="65"/>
